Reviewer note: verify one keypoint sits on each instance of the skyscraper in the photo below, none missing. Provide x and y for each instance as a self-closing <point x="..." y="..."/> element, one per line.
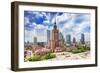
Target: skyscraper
<point x="48" y="36"/>
<point x="61" y="36"/>
<point x="35" y="40"/>
<point x="57" y="40"/>
<point x="68" y="39"/>
<point x="82" y="40"/>
<point x="55" y="37"/>
<point x="61" y="40"/>
<point x="74" y="40"/>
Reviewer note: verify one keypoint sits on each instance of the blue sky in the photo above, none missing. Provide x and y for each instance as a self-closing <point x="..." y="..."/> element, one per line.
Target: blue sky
<point x="36" y="24"/>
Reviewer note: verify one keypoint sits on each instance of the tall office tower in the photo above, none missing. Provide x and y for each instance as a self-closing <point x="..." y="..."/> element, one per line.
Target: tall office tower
<point x="35" y="40"/>
<point x="48" y="36"/>
<point x="82" y="40"/>
<point x="74" y="40"/>
<point x="61" y="40"/>
<point x="61" y="36"/>
<point x="68" y="39"/>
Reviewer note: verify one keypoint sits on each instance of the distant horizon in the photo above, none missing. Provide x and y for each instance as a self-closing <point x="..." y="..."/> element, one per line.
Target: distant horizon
<point x="46" y="42"/>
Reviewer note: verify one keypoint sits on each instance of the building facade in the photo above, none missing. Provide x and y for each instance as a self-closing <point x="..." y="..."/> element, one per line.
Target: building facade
<point x="68" y="39"/>
<point x="48" y="36"/>
<point x="57" y="41"/>
<point x="55" y="37"/>
<point x="82" y="40"/>
<point x="74" y="40"/>
<point x="35" y="40"/>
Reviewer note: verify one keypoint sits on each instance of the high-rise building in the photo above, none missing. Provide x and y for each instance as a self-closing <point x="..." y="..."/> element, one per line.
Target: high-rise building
<point x="74" y="40"/>
<point x="68" y="39"/>
<point x="35" y="40"/>
<point x="57" y="40"/>
<point x="55" y="37"/>
<point x="61" y="36"/>
<point x="82" y="40"/>
<point x="48" y="36"/>
<point x="61" y="40"/>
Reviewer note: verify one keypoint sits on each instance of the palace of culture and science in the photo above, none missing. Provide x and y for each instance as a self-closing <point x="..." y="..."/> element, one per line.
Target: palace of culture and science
<point x="56" y="43"/>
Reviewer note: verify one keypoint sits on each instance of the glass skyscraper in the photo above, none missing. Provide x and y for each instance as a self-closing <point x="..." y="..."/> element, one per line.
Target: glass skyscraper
<point x="48" y="36"/>
<point x="61" y="36"/>
<point x="35" y="40"/>
<point x="68" y="39"/>
<point x="82" y="40"/>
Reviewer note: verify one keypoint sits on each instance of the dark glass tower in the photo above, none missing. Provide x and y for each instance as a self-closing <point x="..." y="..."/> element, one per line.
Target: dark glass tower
<point x="74" y="40"/>
<point x="82" y="39"/>
<point x="68" y="39"/>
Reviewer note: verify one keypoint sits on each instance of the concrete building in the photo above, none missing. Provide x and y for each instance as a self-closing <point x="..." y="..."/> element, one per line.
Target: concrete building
<point x="61" y="36"/>
<point x="35" y="40"/>
<point x="74" y="40"/>
<point x="61" y="40"/>
<point x="55" y="37"/>
<point x="48" y="36"/>
<point x="68" y="39"/>
<point x="82" y="40"/>
<point x="57" y="41"/>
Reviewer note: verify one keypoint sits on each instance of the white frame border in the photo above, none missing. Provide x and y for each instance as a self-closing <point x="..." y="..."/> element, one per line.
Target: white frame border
<point x="23" y="64"/>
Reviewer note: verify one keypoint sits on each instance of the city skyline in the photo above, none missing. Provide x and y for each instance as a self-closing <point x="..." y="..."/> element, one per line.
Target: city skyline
<point x="37" y="24"/>
<point x="68" y="39"/>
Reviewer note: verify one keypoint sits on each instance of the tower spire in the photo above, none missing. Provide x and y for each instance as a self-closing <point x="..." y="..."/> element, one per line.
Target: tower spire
<point x="55" y="26"/>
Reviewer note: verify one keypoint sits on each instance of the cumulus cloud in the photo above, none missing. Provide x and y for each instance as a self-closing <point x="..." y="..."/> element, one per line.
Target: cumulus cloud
<point x="29" y="35"/>
<point x="75" y="24"/>
<point x="68" y="23"/>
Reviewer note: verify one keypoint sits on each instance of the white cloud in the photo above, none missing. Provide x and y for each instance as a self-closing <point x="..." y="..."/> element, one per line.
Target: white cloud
<point x="38" y="14"/>
<point x="29" y="35"/>
<point x="70" y="27"/>
<point x="34" y="24"/>
<point x="40" y="26"/>
<point x="46" y="22"/>
<point x="40" y="34"/>
<point x="47" y="15"/>
<point x="53" y="20"/>
<point x="87" y="36"/>
<point x="64" y="17"/>
<point x="26" y="20"/>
